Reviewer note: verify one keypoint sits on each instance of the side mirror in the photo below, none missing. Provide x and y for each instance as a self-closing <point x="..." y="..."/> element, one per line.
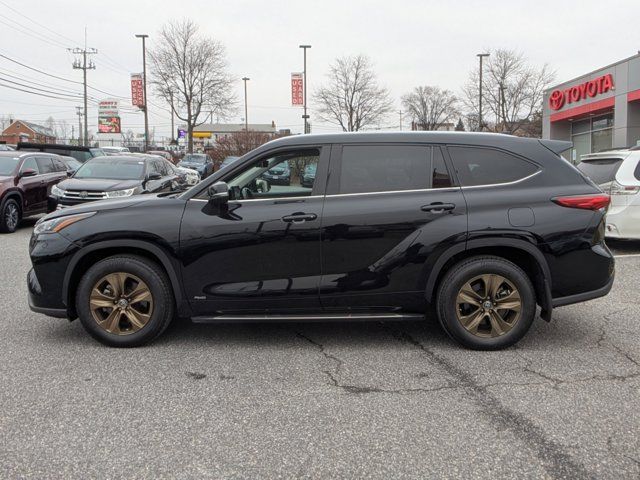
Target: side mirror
<point x="70" y="173"/>
<point x="153" y="176"/>
<point x="218" y="193"/>
<point x="28" y="172"/>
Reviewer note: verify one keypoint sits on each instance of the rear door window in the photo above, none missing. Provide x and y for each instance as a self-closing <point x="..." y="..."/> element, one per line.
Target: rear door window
<point x="477" y="166"/>
<point x="600" y="170"/>
<point x="45" y="164"/>
<point x="59" y="165"/>
<point x="383" y="168"/>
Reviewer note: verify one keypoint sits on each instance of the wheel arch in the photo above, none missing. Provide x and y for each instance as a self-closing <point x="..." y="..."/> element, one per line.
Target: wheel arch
<point x="16" y="195"/>
<point x="93" y="253"/>
<point x="522" y="253"/>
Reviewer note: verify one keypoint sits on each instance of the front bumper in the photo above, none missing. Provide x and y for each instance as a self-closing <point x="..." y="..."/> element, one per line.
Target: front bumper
<point x="50" y="255"/>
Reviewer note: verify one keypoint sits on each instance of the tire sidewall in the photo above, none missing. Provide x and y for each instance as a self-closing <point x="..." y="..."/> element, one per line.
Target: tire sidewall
<point x="161" y="304"/>
<point x="452" y="285"/>
<point x="3" y="226"/>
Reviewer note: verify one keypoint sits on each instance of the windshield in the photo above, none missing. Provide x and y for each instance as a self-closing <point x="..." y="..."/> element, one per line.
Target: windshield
<point x="8" y="165"/>
<point x="97" y="152"/>
<point x="601" y="170"/>
<point x="108" y="169"/>
<point x="190" y="158"/>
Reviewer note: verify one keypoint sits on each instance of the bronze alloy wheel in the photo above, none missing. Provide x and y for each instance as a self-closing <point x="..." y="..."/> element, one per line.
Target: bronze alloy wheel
<point x="488" y="305"/>
<point x="121" y="303"/>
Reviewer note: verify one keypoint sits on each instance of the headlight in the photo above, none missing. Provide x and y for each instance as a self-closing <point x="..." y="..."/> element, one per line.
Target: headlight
<point x="121" y="193"/>
<point x="58" y="192"/>
<point x="56" y="224"/>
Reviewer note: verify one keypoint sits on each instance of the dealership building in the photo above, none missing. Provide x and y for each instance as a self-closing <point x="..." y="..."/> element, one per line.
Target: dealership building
<point x="596" y="111"/>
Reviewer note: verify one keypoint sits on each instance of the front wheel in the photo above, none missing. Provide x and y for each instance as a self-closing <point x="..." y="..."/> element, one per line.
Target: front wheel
<point x="10" y="216"/>
<point x="125" y="301"/>
<point x="486" y="303"/>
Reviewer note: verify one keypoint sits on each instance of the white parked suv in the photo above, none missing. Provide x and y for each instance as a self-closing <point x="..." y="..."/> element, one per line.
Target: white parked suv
<point x="618" y="174"/>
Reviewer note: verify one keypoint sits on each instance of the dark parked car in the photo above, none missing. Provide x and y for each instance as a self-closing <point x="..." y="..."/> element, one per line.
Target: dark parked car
<point x="200" y="162"/>
<point x="71" y="163"/>
<point x="80" y="153"/>
<point x="228" y="161"/>
<point x="278" y="175"/>
<point x="26" y="180"/>
<point x="114" y="177"/>
<point x="480" y="228"/>
<point x="309" y="175"/>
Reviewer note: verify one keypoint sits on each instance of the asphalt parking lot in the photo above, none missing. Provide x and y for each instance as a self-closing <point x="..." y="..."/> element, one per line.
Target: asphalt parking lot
<point x="357" y="400"/>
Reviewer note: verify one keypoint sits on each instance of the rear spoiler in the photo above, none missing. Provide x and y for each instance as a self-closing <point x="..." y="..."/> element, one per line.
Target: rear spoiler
<point x="556" y="146"/>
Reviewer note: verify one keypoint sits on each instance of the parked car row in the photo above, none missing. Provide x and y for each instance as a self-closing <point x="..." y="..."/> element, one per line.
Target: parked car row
<point x="33" y="182"/>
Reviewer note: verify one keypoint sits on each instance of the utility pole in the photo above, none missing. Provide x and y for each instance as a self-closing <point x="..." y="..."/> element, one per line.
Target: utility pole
<point x="172" y="127"/>
<point x="304" y="77"/>
<point x="79" y="113"/>
<point x="144" y="86"/>
<point x="84" y="66"/>
<point x="246" y="110"/>
<point x="480" y="56"/>
<point x="400" y="112"/>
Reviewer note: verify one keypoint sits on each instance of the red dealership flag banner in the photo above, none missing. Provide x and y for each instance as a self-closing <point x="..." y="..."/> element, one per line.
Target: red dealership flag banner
<point x="297" y="89"/>
<point x="137" y="90"/>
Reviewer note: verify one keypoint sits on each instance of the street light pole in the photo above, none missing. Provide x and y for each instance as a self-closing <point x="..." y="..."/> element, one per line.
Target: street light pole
<point x="304" y="76"/>
<point x="480" y="56"/>
<point x="246" y="110"/>
<point x="144" y="86"/>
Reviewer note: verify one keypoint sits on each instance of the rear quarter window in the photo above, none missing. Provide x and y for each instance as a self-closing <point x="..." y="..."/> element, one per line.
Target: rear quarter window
<point x="477" y="166"/>
<point x="601" y="170"/>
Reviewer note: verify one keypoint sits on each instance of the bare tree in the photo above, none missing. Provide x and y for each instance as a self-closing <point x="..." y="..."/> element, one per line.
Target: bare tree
<point x="191" y="70"/>
<point x="239" y="143"/>
<point x="50" y="123"/>
<point x="352" y="97"/>
<point x="63" y="130"/>
<point x="430" y="107"/>
<point x="512" y="91"/>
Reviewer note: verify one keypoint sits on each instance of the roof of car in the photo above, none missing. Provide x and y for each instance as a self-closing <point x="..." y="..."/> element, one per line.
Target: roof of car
<point x="22" y="153"/>
<point x="471" y="138"/>
<point x="623" y="153"/>
<point x="121" y="158"/>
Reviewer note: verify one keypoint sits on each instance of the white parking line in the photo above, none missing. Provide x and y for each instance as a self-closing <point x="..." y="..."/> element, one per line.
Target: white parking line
<point x="627" y="255"/>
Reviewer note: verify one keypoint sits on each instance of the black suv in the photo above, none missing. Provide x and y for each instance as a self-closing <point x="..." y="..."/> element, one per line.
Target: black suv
<point x="478" y="228"/>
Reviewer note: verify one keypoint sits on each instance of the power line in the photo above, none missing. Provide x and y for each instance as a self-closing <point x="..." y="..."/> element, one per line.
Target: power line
<point x="25" y="31"/>
<point x="37" y="23"/>
<point x="40" y="94"/>
<point x="75" y="95"/>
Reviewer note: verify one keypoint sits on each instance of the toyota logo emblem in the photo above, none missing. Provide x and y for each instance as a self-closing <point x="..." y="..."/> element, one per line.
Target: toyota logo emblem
<point x="83" y="194"/>
<point x="556" y="100"/>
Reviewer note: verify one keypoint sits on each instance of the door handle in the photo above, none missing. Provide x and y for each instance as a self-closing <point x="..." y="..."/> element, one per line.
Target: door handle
<point x="299" y="217"/>
<point x="438" y="207"/>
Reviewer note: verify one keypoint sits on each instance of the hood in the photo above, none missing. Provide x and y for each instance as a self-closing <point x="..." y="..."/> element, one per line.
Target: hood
<point x="102" y="205"/>
<point x="98" y="184"/>
<point x="191" y="164"/>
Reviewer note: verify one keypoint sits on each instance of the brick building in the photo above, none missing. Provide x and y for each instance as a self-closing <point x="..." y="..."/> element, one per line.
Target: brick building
<point x="21" y="131"/>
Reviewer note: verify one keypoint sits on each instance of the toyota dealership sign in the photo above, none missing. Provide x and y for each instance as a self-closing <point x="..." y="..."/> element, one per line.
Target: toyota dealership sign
<point x="592" y="88"/>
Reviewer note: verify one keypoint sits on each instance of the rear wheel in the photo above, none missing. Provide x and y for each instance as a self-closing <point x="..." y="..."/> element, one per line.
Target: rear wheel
<point x="125" y="301"/>
<point x="486" y="303"/>
<point x="10" y="216"/>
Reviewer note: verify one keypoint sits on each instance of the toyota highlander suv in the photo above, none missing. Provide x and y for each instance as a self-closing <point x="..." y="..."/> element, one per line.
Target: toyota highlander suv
<point x="617" y="173"/>
<point x="485" y="230"/>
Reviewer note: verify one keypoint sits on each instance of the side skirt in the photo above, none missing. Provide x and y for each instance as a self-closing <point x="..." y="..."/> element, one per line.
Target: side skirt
<point x="329" y="317"/>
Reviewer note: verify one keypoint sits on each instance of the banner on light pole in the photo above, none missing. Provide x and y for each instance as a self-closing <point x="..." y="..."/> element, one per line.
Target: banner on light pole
<point x="297" y="89"/>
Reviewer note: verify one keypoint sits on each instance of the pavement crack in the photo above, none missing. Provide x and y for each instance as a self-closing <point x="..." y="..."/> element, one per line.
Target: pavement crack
<point x="332" y="376"/>
<point x="552" y="455"/>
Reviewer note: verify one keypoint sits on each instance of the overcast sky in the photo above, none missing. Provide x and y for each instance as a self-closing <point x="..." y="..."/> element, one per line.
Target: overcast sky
<point x="410" y="43"/>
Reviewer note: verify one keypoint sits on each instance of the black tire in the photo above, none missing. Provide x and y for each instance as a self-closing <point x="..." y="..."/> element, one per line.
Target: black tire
<point x="464" y="272"/>
<point x="10" y="216"/>
<point x="159" y="286"/>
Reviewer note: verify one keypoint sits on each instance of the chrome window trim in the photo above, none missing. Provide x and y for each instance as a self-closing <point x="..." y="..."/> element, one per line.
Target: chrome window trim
<point x="386" y="192"/>
<point x="505" y="183"/>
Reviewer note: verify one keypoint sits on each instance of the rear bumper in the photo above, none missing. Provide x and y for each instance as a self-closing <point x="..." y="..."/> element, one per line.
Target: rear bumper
<point x="583" y="297"/>
<point x="623" y="222"/>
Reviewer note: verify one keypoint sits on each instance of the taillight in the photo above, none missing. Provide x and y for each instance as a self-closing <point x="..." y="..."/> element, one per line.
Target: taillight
<point x="585" y="202"/>
<point x="618" y="189"/>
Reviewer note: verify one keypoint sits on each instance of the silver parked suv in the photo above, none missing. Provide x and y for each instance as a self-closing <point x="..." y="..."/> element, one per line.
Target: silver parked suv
<point x="617" y="172"/>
